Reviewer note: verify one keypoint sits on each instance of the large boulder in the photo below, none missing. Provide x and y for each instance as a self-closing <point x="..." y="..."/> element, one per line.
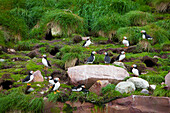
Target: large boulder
<point x="98" y="85"/>
<point x="167" y="79"/>
<point x="139" y="104"/>
<point x="38" y="77"/>
<point x="139" y="82"/>
<point x="89" y="74"/>
<point x="125" y="87"/>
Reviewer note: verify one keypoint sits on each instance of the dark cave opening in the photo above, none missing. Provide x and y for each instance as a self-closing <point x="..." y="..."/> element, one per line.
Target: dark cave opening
<point x="149" y="63"/>
<point x="54" y="51"/>
<point x="6" y="84"/>
<point x="49" y="36"/>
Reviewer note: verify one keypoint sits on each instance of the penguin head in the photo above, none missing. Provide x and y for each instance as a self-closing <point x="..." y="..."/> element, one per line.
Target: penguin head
<point x="50" y="77"/>
<point x="83" y="86"/>
<point x="56" y="80"/>
<point x="93" y="52"/>
<point x="31" y="72"/>
<point x="143" y="31"/>
<point x="134" y="66"/>
<point x="44" y="56"/>
<point x="124" y="37"/>
<point x="88" y="38"/>
<point x="105" y="53"/>
<point x="122" y="53"/>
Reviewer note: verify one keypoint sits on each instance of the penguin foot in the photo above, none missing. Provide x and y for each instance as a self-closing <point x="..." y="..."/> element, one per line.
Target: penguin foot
<point x="51" y="86"/>
<point x="28" y="84"/>
<point x="58" y="91"/>
<point x="54" y="92"/>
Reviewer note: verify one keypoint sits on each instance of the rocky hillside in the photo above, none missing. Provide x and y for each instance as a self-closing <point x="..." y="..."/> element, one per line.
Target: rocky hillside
<point x="58" y="29"/>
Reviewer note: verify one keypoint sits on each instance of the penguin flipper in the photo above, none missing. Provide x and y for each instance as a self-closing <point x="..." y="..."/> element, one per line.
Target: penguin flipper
<point x="117" y="58"/>
<point x="84" y="44"/>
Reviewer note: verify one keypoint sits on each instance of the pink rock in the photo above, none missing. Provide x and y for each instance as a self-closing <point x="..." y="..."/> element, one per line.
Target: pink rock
<point x="140" y="104"/>
<point x="97" y="86"/>
<point x="89" y="74"/>
<point x="85" y="38"/>
<point x="167" y="79"/>
<point x="38" y="77"/>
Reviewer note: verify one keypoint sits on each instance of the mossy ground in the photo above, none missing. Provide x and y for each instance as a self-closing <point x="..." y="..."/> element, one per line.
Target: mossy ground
<point x="24" y="25"/>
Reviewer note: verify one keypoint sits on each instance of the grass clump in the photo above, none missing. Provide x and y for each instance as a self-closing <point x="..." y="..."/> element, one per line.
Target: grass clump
<point x="17" y="100"/>
<point x="153" y="79"/>
<point x="66" y="22"/>
<point x="108" y="23"/>
<point x="132" y="33"/>
<point x="159" y="34"/>
<point x="138" y="18"/>
<point x="15" y="25"/>
<point x="159" y="91"/>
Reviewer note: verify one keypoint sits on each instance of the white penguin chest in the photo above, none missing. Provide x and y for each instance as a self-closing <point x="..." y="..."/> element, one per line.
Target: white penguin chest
<point x="125" y="42"/>
<point x="135" y="71"/>
<point x="87" y="43"/>
<point x="143" y="36"/>
<point x="44" y="61"/>
<point x="121" y="57"/>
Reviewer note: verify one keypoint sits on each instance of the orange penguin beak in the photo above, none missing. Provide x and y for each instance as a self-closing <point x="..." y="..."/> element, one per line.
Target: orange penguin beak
<point x="95" y="53"/>
<point x="132" y="66"/>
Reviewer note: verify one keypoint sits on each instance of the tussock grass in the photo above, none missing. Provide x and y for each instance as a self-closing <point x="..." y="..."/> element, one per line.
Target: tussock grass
<point x="15" y="25"/>
<point x="153" y="79"/>
<point x="159" y="34"/>
<point x="17" y="100"/>
<point x="132" y="33"/>
<point x="159" y="91"/>
<point x="67" y="22"/>
<point x="138" y="18"/>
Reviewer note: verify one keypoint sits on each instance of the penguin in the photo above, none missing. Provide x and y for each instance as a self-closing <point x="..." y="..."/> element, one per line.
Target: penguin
<point x="56" y="85"/>
<point x="121" y="56"/>
<point x="45" y="62"/>
<point x="135" y="71"/>
<point x="28" y="89"/>
<point x="87" y="42"/>
<point x="51" y="80"/>
<point x="91" y="58"/>
<point x="106" y="58"/>
<point x="125" y="42"/>
<point x="146" y="36"/>
<point x="28" y="78"/>
<point x="79" y="88"/>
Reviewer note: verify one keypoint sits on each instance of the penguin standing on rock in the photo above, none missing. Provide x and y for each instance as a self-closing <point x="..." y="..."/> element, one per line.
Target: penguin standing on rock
<point x="45" y="62"/>
<point x="87" y="42"/>
<point x="56" y="85"/>
<point x="125" y="42"/>
<point x="135" y="71"/>
<point x="79" y="88"/>
<point x="146" y="36"/>
<point x="91" y="58"/>
<point x="106" y="58"/>
<point x="28" y="78"/>
<point x="121" y="56"/>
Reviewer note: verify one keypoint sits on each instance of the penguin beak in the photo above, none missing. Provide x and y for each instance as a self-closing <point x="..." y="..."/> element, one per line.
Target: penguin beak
<point x="124" y="53"/>
<point x="132" y="66"/>
<point x="95" y="52"/>
<point x="141" y="31"/>
<point x="103" y="53"/>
